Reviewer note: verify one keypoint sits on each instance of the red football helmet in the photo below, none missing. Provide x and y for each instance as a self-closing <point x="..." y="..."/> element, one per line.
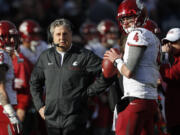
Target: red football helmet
<point x="109" y="33"/>
<point x="9" y="38"/>
<point x="130" y="9"/>
<point x="106" y="26"/>
<point x="89" y="32"/>
<point x="152" y="26"/>
<point x="88" y="28"/>
<point x="29" y="30"/>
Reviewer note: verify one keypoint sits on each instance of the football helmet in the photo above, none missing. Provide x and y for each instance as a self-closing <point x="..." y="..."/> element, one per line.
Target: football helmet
<point x="88" y="28"/>
<point x="89" y="32"/>
<point x="106" y="26"/>
<point x="108" y="31"/>
<point x="9" y="37"/>
<point x="29" y="30"/>
<point x="132" y="10"/>
<point x="152" y="26"/>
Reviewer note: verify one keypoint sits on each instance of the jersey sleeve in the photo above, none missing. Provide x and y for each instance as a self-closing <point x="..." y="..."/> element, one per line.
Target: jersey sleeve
<point x="137" y="38"/>
<point x="170" y="72"/>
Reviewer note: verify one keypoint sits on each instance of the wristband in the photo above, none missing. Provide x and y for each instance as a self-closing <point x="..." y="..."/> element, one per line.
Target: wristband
<point x="9" y="109"/>
<point x="118" y="63"/>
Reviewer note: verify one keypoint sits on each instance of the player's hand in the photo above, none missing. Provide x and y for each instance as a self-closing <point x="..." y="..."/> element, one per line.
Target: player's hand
<point x="18" y="83"/>
<point x="112" y="55"/>
<point x="41" y="112"/>
<point x="17" y="126"/>
<point x="11" y="114"/>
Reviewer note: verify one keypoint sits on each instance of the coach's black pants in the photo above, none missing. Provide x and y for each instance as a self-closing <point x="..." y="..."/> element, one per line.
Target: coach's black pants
<point x="69" y="130"/>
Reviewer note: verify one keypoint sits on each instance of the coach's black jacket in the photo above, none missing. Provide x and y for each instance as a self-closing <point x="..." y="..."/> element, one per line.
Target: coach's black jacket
<point x="67" y="86"/>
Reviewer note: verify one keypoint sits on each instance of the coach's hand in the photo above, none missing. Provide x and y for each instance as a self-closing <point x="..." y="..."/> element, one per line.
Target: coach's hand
<point x="41" y="112"/>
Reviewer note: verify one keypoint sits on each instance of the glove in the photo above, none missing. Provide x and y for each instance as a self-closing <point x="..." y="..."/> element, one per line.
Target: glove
<point x="18" y="83"/>
<point x="9" y="111"/>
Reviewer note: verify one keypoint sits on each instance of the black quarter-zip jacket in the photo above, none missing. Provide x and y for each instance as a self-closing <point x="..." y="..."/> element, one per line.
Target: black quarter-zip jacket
<point x="67" y="86"/>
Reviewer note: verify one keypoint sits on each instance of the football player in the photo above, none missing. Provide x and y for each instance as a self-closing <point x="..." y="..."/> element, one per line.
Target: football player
<point x="32" y="44"/>
<point x="9" y="122"/>
<point x="108" y="37"/>
<point x="89" y="34"/>
<point x="139" y="68"/>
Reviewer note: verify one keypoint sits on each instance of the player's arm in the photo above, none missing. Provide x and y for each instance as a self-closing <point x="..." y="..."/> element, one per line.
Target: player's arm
<point x="136" y="43"/>
<point x="8" y="109"/>
<point x="135" y="54"/>
<point x="126" y="69"/>
<point x="3" y="94"/>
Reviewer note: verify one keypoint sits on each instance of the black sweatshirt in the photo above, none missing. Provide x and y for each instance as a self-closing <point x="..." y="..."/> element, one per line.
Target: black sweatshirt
<point x="67" y="86"/>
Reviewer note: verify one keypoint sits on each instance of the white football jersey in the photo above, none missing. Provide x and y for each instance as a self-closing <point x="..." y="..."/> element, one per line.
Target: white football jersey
<point x="6" y="59"/>
<point x="33" y="56"/>
<point x="143" y="84"/>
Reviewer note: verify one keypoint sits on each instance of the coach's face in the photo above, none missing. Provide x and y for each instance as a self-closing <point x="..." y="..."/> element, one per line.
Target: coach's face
<point x="63" y="37"/>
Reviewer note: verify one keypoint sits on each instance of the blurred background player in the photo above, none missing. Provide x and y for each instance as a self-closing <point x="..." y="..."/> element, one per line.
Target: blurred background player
<point x="89" y="33"/>
<point x="102" y="122"/>
<point x="152" y="26"/>
<point x="31" y="48"/>
<point x="9" y="122"/>
<point x="32" y="44"/>
<point x="108" y="37"/>
<point x="22" y="71"/>
<point x="102" y="116"/>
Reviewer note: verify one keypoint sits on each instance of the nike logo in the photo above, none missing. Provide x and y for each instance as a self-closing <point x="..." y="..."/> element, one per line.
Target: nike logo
<point x="50" y="64"/>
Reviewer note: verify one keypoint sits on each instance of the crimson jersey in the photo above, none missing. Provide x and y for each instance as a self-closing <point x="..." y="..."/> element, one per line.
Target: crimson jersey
<point x="171" y="75"/>
<point x="22" y="72"/>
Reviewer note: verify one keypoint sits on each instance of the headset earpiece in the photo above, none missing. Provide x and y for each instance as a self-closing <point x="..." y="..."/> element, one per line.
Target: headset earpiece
<point x="49" y="36"/>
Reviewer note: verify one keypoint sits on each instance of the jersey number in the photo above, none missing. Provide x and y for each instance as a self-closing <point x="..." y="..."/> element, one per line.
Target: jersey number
<point x="136" y="38"/>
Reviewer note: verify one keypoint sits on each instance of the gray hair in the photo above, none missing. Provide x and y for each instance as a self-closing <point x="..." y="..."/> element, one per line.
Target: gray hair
<point x="60" y="22"/>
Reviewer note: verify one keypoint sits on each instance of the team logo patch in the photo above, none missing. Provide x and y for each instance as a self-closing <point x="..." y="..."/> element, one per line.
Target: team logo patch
<point x="75" y="66"/>
<point x="75" y="63"/>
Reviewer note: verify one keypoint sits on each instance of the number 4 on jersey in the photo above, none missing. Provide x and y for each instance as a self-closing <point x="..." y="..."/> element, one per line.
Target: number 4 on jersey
<point x="136" y="38"/>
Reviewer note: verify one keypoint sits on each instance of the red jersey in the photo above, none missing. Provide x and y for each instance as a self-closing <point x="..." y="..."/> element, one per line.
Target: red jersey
<point x="22" y="71"/>
<point x="171" y="75"/>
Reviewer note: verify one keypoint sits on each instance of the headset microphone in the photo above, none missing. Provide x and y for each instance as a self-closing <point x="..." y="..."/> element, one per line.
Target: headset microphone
<point x="55" y="44"/>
